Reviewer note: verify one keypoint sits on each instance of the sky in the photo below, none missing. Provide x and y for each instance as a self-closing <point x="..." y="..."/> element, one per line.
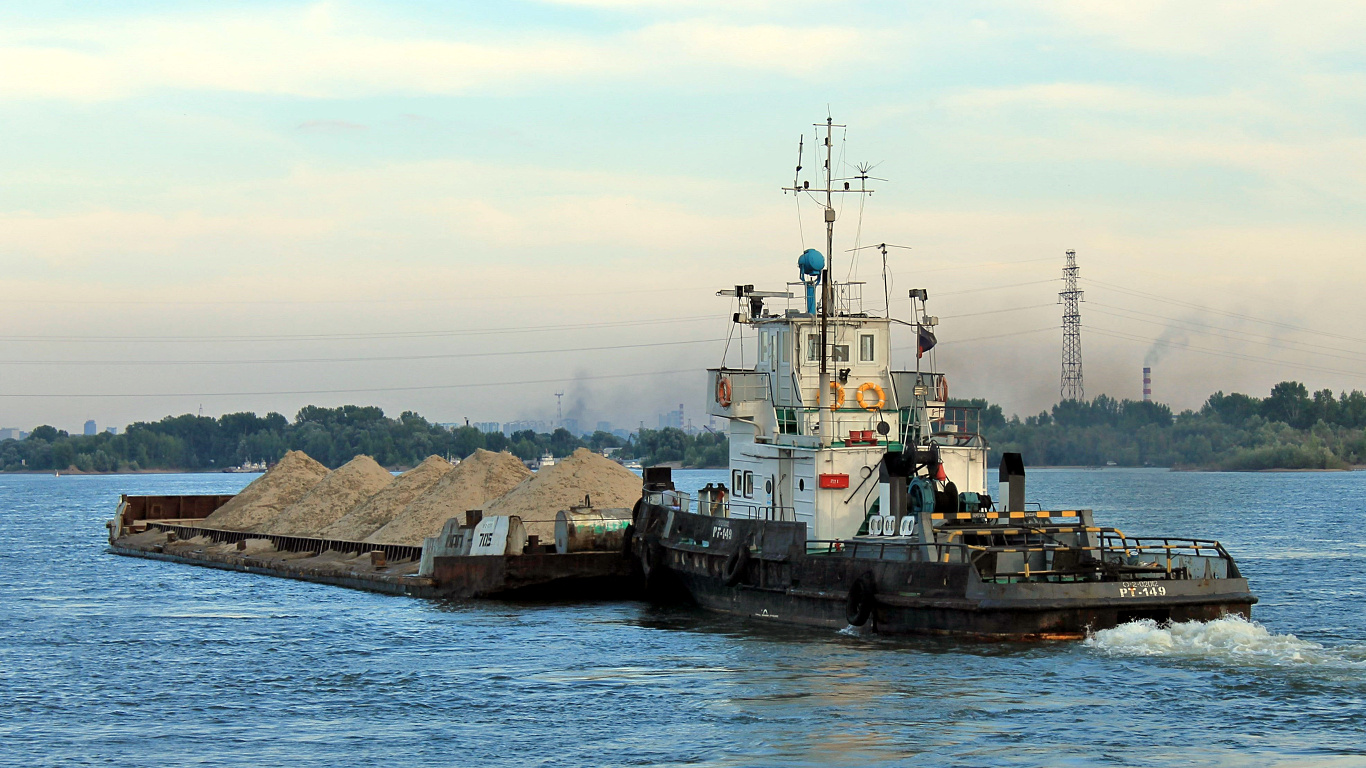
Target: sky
<point x="461" y="209"/>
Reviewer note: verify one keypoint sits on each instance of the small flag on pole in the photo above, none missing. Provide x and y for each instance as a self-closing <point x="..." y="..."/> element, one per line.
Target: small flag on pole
<point x="927" y="342"/>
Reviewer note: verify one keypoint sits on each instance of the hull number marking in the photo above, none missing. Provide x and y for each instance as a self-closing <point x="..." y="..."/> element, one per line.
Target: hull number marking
<point x="722" y="532"/>
<point x="1141" y="589"/>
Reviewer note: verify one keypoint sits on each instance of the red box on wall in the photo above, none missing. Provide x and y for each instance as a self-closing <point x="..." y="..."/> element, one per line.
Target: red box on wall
<point x="834" y="481"/>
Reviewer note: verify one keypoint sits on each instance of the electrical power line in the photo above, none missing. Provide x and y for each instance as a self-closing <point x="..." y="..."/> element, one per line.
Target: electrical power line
<point x="1202" y="308"/>
<point x="981" y="338"/>
<point x="357" y="336"/>
<point x="1220" y="353"/>
<point x="966" y="267"/>
<point x="352" y="390"/>
<point x="1294" y="346"/>
<point x="999" y="311"/>
<point x="310" y="302"/>
<point x="997" y="287"/>
<point x="383" y="358"/>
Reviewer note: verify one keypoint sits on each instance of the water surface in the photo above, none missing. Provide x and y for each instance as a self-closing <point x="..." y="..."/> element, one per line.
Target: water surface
<point x="117" y="661"/>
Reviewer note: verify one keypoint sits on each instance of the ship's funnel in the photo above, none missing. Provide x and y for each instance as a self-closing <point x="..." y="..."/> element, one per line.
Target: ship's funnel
<point x="1012" y="482"/>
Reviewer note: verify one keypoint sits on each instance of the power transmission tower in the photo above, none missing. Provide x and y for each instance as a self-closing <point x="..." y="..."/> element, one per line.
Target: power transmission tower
<point x="559" y="411"/>
<point x="1069" y="298"/>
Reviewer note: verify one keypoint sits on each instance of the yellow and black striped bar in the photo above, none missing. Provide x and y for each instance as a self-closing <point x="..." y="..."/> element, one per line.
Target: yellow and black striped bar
<point x="1017" y="515"/>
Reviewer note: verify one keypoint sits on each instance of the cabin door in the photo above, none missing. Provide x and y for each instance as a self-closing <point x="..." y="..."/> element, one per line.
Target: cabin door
<point x="783" y="366"/>
<point x="783" y="486"/>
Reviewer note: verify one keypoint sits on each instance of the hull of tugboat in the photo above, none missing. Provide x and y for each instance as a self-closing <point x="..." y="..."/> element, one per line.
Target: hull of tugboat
<point x="764" y="570"/>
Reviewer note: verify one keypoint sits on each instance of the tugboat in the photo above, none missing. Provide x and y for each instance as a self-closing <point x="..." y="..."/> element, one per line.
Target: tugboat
<point x="859" y="495"/>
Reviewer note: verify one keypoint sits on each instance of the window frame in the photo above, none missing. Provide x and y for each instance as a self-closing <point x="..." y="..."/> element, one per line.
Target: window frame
<point x="871" y="340"/>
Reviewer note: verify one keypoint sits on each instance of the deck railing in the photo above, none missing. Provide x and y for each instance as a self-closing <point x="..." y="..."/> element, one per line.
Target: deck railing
<point x="1042" y="557"/>
<point x="743" y="509"/>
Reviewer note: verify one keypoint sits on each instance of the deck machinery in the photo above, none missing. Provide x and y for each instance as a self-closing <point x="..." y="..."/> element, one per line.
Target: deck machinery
<point x="859" y="495"/>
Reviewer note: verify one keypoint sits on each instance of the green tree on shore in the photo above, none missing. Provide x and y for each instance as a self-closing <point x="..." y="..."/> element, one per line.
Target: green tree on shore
<point x="331" y="435"/>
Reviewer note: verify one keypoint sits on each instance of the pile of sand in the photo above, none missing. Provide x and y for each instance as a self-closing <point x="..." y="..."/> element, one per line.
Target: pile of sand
<point x="339" y="492"/>
<point x="560" y="486"/>
<point x="470" y="485"/>
<point x="377" y="511"/>
<point x="268" y="495"/>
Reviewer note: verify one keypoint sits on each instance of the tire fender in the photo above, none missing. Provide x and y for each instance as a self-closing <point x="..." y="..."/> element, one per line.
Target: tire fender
<point x="736" y="566"/>
<point x="859" y="607"/>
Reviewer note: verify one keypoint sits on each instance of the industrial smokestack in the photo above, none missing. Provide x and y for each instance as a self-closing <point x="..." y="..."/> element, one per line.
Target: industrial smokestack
<point x="1147" y="384"/>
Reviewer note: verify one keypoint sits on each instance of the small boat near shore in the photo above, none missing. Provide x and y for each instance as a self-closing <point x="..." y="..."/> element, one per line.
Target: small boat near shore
<point x="859" y="494"/>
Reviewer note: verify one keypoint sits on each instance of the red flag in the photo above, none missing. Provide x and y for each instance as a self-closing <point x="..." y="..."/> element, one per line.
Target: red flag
<point x="926" y="342"/>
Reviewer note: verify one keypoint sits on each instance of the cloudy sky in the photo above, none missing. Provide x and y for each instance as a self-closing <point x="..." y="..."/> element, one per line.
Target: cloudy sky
<point x="461" y="209"/>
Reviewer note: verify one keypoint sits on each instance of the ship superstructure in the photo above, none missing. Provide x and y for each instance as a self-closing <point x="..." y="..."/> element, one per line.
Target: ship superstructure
<point x="811" y="420"/>
<point x="859" y="492"/>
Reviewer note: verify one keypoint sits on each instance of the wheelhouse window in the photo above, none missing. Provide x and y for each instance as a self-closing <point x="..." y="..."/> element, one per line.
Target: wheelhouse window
<point x="737" y="482"/>
<point x="839" y="353"/>
<point x="813" y="347"/>
<point x="866" y="350"/>
<point x="749" y="485"/>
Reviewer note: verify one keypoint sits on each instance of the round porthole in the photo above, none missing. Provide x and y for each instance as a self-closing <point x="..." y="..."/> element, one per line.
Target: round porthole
<point x="768" y="486"/>
<point x="801" y="485"/>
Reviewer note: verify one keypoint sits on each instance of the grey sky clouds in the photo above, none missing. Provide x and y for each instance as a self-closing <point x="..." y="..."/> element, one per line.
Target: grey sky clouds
<point x="254" y="169"/>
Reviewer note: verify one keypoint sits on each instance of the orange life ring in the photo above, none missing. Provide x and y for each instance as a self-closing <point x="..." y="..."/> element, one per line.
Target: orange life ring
<point x="839" y="396"/>
<point x="723" y="392"/>
<point x="866" y="387"/>
<point x="943" y="389"/>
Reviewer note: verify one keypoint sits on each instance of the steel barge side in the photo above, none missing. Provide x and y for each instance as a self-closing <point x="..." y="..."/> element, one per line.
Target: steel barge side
<point x="504" y="564"/>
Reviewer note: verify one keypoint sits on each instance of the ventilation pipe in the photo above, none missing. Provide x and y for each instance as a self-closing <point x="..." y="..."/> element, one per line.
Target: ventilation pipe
<point x="1012" y="482"/>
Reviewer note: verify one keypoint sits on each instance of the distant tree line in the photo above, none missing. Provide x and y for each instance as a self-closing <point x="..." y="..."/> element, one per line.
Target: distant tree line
<point x="333" y="436"/>
<point x="1289" y="429"/>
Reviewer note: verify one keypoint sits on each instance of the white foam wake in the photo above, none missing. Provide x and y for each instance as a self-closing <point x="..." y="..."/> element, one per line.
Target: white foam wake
<point x="1231" y="639"/>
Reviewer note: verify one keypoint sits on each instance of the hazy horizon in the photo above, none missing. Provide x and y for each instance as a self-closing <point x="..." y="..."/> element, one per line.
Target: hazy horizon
<point x="461" y="211"/>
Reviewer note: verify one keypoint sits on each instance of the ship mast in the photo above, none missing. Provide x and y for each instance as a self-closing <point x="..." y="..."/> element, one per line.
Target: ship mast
<point x="826" y="420"/>
<point x="826" y="423"/>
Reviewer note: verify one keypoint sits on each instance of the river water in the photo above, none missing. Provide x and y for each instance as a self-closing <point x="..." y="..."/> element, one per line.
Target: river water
<point x="117" y="661"/>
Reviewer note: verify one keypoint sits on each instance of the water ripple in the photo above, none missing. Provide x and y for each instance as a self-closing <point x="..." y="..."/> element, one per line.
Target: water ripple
<point x="111" y="661"/>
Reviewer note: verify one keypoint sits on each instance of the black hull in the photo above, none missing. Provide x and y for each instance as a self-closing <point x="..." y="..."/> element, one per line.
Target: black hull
<point x="781" y="582"/>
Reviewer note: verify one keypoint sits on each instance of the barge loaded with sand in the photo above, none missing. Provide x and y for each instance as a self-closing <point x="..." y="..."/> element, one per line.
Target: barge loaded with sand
<point x="485" y="527"/>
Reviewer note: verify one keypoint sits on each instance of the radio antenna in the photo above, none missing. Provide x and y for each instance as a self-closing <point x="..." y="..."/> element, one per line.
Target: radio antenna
<point x="827" y="290"/>
<point x="886" y="285"/>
